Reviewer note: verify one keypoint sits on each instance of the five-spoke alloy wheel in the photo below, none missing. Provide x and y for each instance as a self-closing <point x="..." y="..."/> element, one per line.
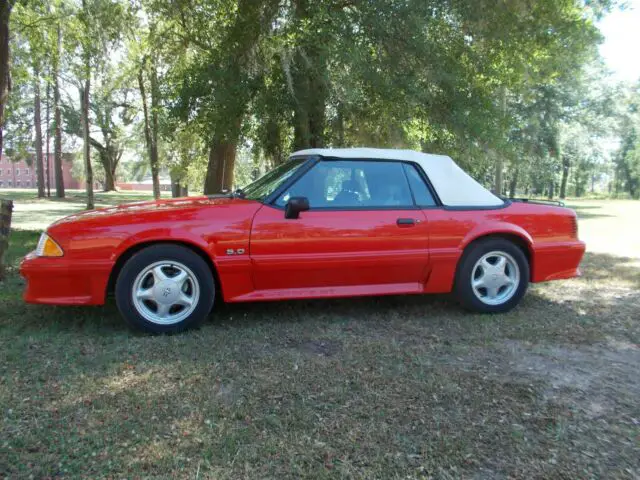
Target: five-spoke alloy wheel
<point x="165" y="288"/>
<point x="492" y="276"/>
<point x="165" y="292"/>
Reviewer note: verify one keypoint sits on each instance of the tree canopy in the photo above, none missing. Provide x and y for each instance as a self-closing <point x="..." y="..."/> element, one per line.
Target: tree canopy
<point x="215" y="92"/>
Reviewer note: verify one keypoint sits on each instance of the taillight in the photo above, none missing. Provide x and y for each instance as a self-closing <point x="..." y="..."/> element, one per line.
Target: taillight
<point x="574" y="226"/>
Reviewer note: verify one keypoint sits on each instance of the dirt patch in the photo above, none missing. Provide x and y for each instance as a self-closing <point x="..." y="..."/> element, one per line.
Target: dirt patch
<point x="322" y="348"/>
<point x="592" y="379"/>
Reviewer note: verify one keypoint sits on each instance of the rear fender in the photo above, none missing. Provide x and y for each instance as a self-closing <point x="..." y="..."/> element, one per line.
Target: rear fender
<point x="497" y="228"/>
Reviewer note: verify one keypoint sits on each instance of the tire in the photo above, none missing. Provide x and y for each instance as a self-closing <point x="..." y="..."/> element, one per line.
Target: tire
<point x="482" y="285"/>
<point x="165" y="289"/>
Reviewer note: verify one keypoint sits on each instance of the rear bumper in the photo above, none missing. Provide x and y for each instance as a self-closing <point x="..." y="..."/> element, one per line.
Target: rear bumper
<point x="60" y="281"/>
<point x="557" y="261"/>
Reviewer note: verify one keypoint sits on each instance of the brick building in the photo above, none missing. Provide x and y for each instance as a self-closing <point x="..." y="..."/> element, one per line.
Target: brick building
<point x="22" y="175"/>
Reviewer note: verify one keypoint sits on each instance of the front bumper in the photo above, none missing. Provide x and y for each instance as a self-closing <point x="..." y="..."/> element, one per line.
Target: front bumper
<point x="61" y="281"/>
<point x="557" y="261"/>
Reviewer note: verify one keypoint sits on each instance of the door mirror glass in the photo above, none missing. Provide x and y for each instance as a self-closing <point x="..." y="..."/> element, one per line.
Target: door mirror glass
<point x="295" y="205"/>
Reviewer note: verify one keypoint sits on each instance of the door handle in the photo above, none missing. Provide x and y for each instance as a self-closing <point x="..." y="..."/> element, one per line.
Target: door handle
<point x="405" y="222"/>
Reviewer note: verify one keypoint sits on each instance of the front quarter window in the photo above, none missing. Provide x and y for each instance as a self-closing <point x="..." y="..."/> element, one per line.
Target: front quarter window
<point x="269" y="183"/>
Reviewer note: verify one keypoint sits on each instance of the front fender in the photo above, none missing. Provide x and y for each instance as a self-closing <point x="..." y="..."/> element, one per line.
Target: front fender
<point x="165" y="234"/>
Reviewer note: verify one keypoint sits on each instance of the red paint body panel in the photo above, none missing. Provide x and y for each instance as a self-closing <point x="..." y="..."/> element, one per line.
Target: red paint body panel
<point x="321" y="254"/>
<point x="338" y="249"/>
<point x="102" y="236"/>
<point x="58" y="282"/>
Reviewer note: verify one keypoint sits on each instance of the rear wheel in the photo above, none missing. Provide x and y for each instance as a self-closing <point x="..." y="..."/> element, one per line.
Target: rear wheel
<point x="165" y="288"/>
<point x="492" y="276"/>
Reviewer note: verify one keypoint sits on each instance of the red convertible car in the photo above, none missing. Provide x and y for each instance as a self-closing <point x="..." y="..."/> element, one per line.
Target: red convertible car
<point x="326" y="223"/>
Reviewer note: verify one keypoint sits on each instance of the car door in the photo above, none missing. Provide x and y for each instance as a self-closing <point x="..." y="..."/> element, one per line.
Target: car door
<point x="362" y="229"/>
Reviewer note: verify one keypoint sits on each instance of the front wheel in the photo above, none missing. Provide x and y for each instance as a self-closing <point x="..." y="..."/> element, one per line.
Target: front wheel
<point x="165" y="288"/>
<point x="492" y="276"/>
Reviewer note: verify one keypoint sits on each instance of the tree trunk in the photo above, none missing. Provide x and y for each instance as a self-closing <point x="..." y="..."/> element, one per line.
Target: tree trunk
<point x="566" y="164"/>
<point x="498" y="185"/>
<point x="57" y="119"/>
<point x="5" y="79"/>
<point x="48" y="130"/>
<point x="37" y="120"/>
<point x="178" y="189"/>
<point x="86" y="92"/>
<point x="151" y="125"/>
<point x="155" y="99"/>
<point x="222" y="158"/>
<point x="273" y="143"/>
<point x="309" y="88"/>
<point x="6" y="208"/>
<point x="514" y="182"/>
<point x="86" y="139"/>
<point x="175" y="187"/>
<point x="109" y="160"/>
<point x="109" y="175"/>
<point x="340" y="125"/>
<point x="551" y="189"/>
<point x="498" y="179"/>
<point x="301" y="134"/>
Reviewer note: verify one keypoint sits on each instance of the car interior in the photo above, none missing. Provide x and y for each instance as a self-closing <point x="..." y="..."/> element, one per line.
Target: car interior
<point x="343" y="184"/>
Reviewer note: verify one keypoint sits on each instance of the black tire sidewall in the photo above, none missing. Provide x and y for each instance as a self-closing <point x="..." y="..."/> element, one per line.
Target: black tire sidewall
<point x="464" y="291"/>
<point x="155" y="253"/>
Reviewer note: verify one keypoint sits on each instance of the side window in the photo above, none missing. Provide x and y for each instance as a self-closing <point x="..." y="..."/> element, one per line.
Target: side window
<point x="420" y="190"/>
<point x="353" y="184"/>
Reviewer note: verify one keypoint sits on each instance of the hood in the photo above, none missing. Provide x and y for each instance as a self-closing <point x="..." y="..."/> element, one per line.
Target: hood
<point x="148" y="207"/>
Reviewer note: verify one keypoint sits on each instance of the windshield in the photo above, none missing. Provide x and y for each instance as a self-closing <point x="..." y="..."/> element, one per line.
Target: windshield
<point x="268" y="183"/>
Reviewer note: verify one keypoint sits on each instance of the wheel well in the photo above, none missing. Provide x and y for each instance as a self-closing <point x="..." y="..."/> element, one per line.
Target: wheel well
<point x="517" y="240"/>
<point x="131" y="251"/>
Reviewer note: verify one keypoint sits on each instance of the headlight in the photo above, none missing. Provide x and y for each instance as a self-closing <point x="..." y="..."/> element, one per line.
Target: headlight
<point x="47" y="247"/>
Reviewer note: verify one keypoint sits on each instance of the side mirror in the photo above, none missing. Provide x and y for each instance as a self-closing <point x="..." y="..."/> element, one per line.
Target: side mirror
<point x="294" y="206"/>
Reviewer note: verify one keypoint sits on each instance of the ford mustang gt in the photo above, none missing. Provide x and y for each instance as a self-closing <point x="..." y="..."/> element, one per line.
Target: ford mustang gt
<point x="326" y="223"/>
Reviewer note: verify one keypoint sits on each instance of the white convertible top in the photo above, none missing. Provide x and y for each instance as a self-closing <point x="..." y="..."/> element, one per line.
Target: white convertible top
<point x="453" y="185"/>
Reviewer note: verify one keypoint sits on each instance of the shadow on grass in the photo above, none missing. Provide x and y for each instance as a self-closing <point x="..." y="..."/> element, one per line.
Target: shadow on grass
<point x="362" y="387"/>
<point x="603" y="267"/>
<point x="575" y="311"/>
<point x="585" y="212"/>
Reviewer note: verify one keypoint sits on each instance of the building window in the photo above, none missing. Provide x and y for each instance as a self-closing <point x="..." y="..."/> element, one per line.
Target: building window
<point x="17" y="172"/>
<point x="27" y="183"/>
<point x="1" y="184"/>
<point x="26" y="171"/>
<point x="18" y="183"/>
<point x="0" y="171"/>
<point x="8" y="171"/>
<point x="9" y="183"/>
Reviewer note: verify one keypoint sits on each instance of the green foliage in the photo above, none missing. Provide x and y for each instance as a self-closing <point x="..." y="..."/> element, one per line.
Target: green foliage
<point x="512" y="88"/>
<point x="627" y="159"/>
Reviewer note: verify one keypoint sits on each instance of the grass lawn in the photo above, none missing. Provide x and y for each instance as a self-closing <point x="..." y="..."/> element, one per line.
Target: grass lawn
<point x="391" y="387"/>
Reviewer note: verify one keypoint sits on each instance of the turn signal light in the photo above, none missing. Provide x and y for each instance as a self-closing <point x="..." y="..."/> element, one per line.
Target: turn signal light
<point x="47" y="247"/>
